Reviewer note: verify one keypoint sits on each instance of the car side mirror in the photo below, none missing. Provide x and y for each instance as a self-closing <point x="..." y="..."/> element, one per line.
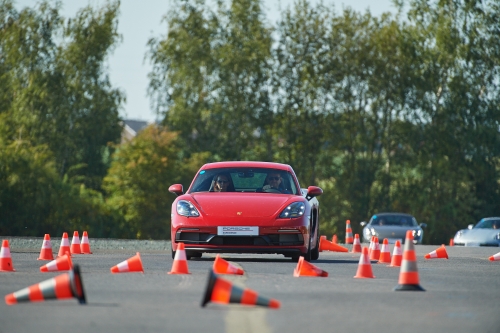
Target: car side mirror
<point x="470" y="226"/>
<point x="176" y="189"/>
<point x="423" y="225"/>
<point x="363" y="223"/>
<point x="313" y="191"/>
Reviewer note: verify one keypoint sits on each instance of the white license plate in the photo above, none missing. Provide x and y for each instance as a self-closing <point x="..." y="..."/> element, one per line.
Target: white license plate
<point x="472" y="244"/>
<point x="238" y="231"/>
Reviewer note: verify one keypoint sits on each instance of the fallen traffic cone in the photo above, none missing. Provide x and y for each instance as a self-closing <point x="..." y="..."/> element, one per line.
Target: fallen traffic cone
<point x="222" y="291"/>
<point x="495" y="257"/>
<point x="452" y="242"/>
<point x="5" y="258"/>
<point x="305" y="268"/>
<point x="180" y="265"/>
<point x="222" y="266"/>
<point x="46" y="251"/>
<point x="385" y="255"/>
<point x="397" y="255"/>
<point x="375" y="254"/>
<point x="356" y="245"/>
<point x="365" y="266"/>
<point x="320" y="239"/>
<point x="63" y="286"/>
<point x="85" y="245"/>
<point x="348" y="232"/>
<point x="63" y="263"/>
<point x="75" y="244"/>
<point x="133" y="264"/>
<point x="64" y="245"/>
<point x="326" y="245"/>
<point x="408" y="275"/>
<point x="334" y="239"/>
<point x="439" y="253"/>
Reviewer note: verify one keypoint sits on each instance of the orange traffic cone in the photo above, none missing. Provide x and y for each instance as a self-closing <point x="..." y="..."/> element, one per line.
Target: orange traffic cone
<point x="408" y="275"/>
<point x="356" y="245"/>
<point x="397" y="255"/>
<point x="85" y="245"/>
<point x="63" y="263"/>
<point x="326" y="245"/>
<point x="5" y="258"/>
<point x="222" y="291"/>
<point x="305" y="268"/>
<point x="372" y="244"/>
<point x="63" y="286"/>
<point x="75" y="244"/>
<point x="365" y="266"/>
<point x="334" y="239"/>
<point x="348" y="232"/>
<point x="320" y="239"/>
<point x="222" y="266"/>
<point x="64" y="245"/>
<point x="133" y="264"/>
<point x="495" y="257"/>
<point x="180" y="265"/>
<point x="439" y="253"/>
<point x="385" y="255"/>
<point x="46" y="251"/>
<point x="452" y="242"/>
<point x="375" y="254"/>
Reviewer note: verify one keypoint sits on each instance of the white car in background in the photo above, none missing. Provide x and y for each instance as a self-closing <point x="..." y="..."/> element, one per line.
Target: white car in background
<point x="485" y="233"/>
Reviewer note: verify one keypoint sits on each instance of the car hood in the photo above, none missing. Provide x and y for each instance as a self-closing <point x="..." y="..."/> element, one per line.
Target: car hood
<point x="393" y="231"/>
<point x="241" y="204"/>
<point x="478" y="235"/>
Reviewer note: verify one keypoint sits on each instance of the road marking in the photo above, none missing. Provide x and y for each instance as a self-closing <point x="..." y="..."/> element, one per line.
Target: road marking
<point x="245" y="319"/>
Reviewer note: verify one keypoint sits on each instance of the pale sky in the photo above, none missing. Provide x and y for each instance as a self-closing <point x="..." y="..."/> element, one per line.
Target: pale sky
<point x="141" y="19"/>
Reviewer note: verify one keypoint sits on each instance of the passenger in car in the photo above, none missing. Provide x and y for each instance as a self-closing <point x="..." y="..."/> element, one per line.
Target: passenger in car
<point x="222" y="183"/>
<point x="273" y="182"/>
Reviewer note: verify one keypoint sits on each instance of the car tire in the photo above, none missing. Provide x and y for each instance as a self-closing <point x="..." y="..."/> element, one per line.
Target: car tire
<point x="295" y="257"/>
<point x="315" y="251"/>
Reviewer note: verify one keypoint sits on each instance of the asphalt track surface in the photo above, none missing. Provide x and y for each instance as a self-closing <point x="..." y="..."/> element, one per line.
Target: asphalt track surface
<point x="462" y="295"/>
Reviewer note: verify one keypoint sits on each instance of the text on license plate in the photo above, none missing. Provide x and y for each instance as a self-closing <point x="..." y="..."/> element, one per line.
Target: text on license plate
<point x="238" y="231"/>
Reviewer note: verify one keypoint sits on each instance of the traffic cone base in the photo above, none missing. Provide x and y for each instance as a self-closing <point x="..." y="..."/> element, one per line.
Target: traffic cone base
<point x="69" y="285"/>
<point x="305" y="268"/>
<point x="409" y="287"/>
<point x="222" y="291"/>
<point x="133" y="264"/>
<point x="180" y="266"/>
<point x="5" y="258"/>
<point x="222" y="266"/>
<point x="46" y="251"/>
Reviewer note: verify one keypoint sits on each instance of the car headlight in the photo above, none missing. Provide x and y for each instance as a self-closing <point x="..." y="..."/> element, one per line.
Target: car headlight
<point x="373" y="232"/>
<point x="185" y="208"/>
<point x="417" y="233"/>
<point x="497" y="237"/>
<point x="459" y="234"/>
<point x="295" y="209"/>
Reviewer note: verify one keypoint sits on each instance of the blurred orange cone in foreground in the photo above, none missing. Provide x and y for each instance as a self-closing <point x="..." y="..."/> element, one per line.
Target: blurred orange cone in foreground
<point x="439" y="253"/>
<point x="63" y="263"/>
<point x="64" y="245"/>
<point x="495" y="257"/>
<point x="5" y="258"/>
<point x="385" y="254"/>
<point x="375" y="254"/>
<point x="320" y="239"/>
<point x="180" y="265"/>
<point x="397" y="255"/>
<point x="63" y="286"/>
<point x="408" y="275"/>
<point x="222" y="266"/>
<point x="348" y="232"/>
<point x="222" y="291"/>
<point x="85" y="245"/>
<point x="356" y="245"/>
<point x="46" y="251"/>
<point x="365" y="266"/>
<point x="134" y="264"/>
<point x="305" y="268"/>
<point x="334" y="239"/>
<point x="75" y="244"/>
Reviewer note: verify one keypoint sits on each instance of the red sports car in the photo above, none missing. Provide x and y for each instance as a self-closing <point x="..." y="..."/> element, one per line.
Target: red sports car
<point x="246" y="207"/>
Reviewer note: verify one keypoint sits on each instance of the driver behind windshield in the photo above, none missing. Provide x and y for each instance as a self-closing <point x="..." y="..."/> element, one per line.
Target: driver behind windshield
<point x="273" y="182"/>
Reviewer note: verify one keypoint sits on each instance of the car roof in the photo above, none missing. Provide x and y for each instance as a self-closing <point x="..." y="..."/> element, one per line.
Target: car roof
<point x="392" y="213"/>
<point x="247" y="164"/>
<point x="489" y="218"/>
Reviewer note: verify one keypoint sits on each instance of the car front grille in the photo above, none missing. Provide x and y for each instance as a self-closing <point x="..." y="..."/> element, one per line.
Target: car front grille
<point x="290" y="239"/>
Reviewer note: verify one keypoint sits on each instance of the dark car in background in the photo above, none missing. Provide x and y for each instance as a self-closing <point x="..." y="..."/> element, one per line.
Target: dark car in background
<point x="485" y="233"/>
<point x="392" y="226"/>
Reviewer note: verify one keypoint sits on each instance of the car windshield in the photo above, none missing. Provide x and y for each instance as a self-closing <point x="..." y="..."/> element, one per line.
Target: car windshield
<point x="488" y="224"/>
<point x="245" y="180"/>
<point x="393" y="220"/>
